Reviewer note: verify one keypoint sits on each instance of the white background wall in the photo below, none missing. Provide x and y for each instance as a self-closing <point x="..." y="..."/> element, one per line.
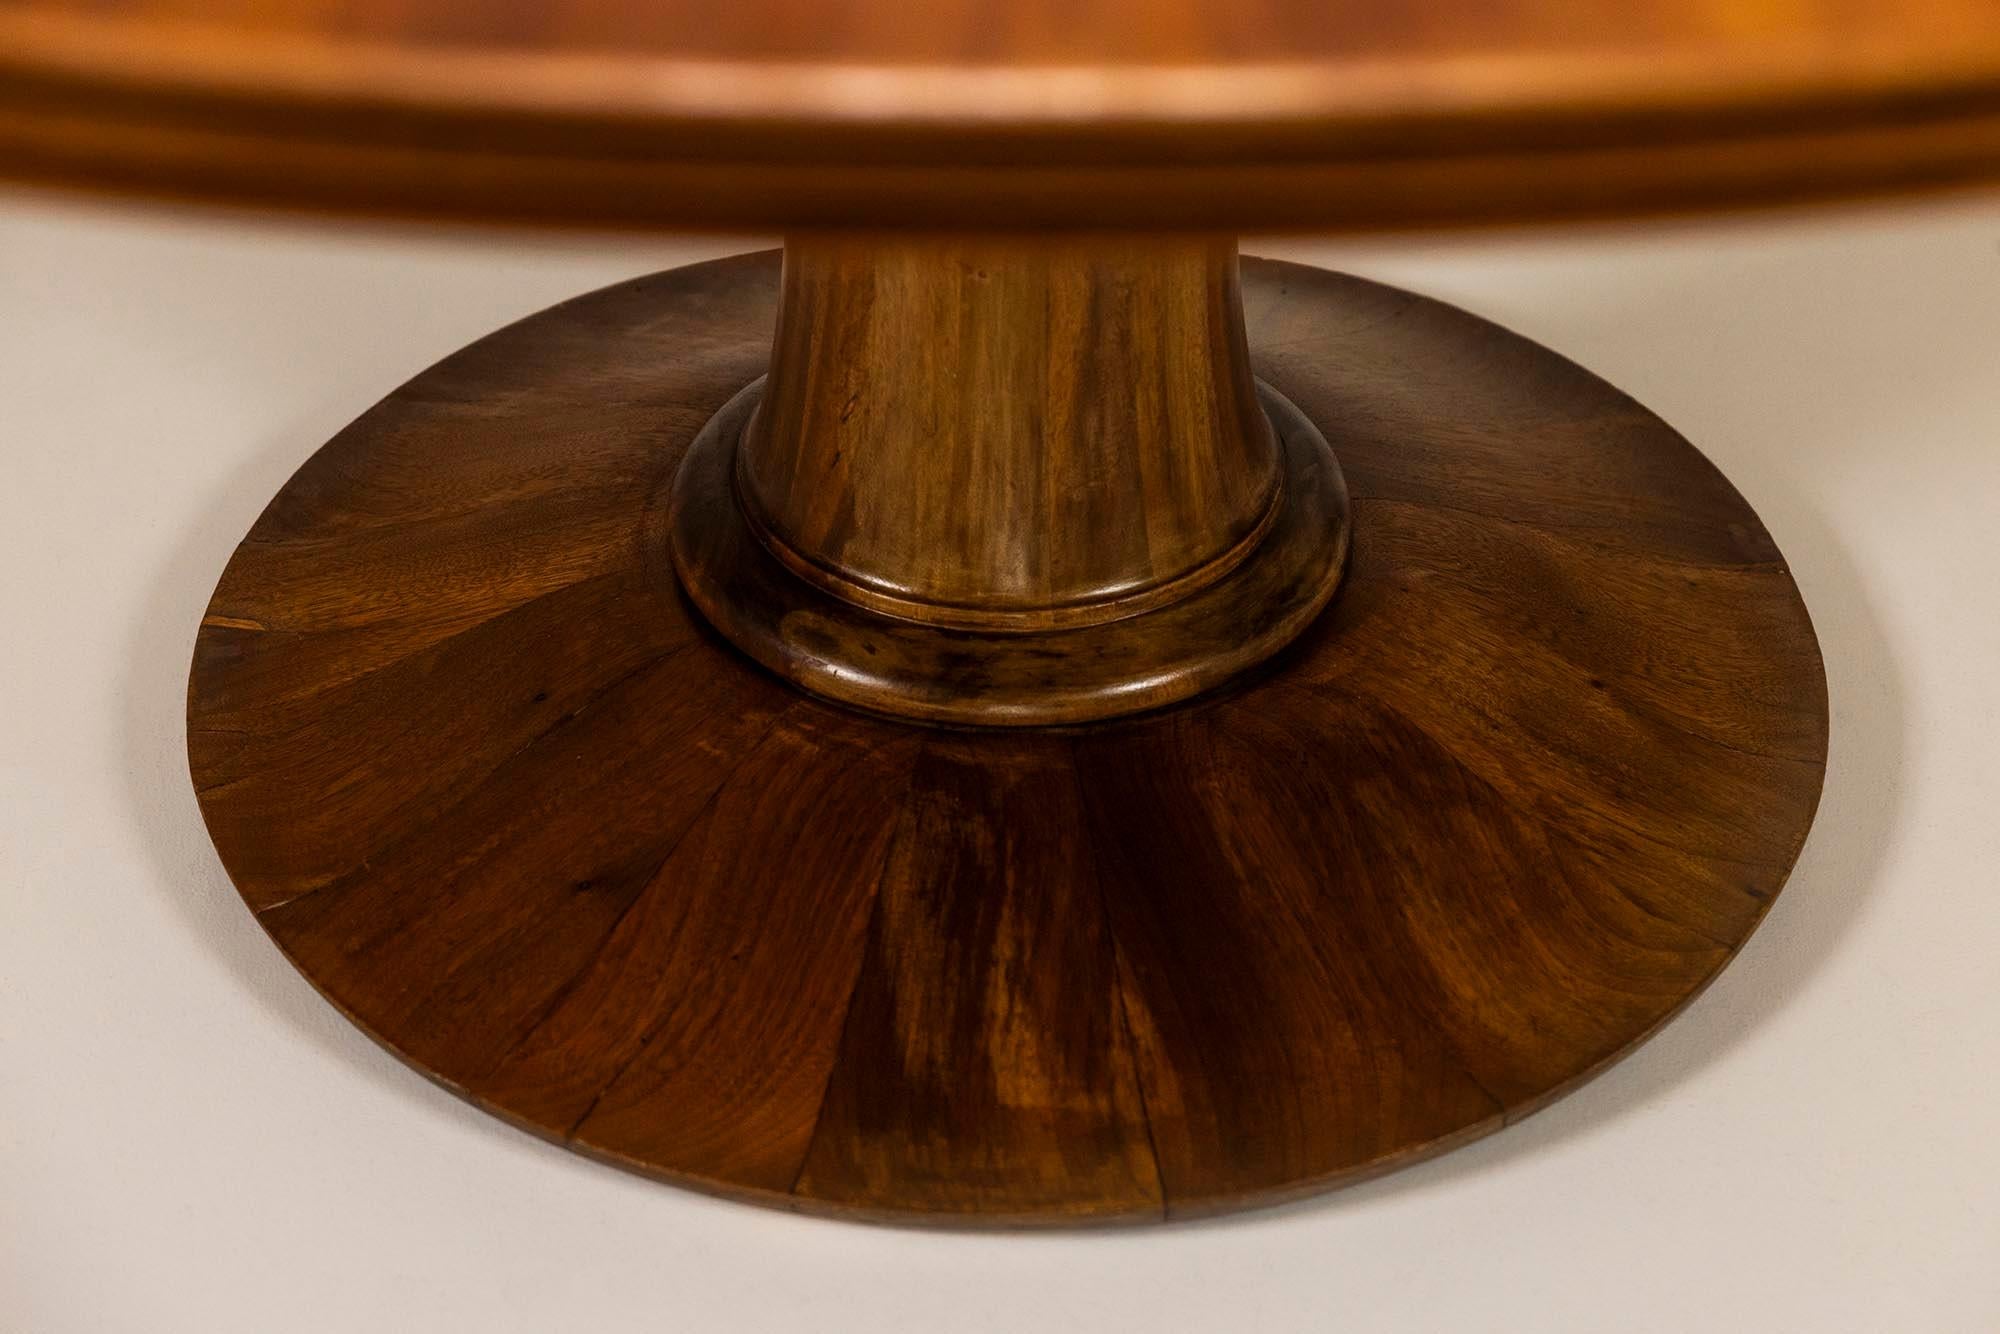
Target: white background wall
<point x="190" y="1140"/>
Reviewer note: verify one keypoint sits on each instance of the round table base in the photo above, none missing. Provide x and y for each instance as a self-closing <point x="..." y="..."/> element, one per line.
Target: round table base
<point x="499" y="792"/>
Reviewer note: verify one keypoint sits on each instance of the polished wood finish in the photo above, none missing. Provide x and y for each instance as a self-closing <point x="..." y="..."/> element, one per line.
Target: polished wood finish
<point x="492" y="785"/>
<point x="1001" y="433"/>
<point x="1010" y="481"/>
<point x="1010" y="676"/>
<point x="1127" y="113"/>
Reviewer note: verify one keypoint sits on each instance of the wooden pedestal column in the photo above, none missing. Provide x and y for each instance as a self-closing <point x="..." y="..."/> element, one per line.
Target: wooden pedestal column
<point x="1010" y="481"/>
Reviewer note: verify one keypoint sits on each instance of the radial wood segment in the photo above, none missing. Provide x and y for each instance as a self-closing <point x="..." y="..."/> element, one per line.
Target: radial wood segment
<point x="491" y="783"/>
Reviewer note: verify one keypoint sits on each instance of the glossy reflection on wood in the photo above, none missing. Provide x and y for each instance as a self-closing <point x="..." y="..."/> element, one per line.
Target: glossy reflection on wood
<point x="1009" y="482"/>
<point x="1010" y="433"/>
<point x="1494" y="817"/>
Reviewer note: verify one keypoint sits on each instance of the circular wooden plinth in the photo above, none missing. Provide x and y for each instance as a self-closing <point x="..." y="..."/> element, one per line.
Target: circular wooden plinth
<point x="498" y="792"/>
<point x="1011" y="679"/>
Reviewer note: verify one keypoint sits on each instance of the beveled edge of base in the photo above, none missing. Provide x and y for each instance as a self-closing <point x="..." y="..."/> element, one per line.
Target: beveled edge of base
<point x="960" y="677"/>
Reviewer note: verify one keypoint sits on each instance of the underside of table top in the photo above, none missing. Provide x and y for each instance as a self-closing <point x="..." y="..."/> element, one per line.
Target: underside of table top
<point x="1117" y="113"/>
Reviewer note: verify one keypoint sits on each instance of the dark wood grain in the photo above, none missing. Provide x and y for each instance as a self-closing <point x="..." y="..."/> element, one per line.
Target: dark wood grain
<point x="1041" y="113"/>
<point x="987" y="1066"/>
<point x="1009" y="481"/>
<point x="1009" y="676"/>
<point x="1492" y="819"/>
<point x="1009" y="433"/>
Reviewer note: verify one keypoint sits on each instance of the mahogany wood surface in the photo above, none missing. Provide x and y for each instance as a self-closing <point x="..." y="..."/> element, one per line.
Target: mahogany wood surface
<point x="499" y="792"/>
<point x="1044" y="113"/>
<point x="1009" y="676"/>
<point x="988" y="432"/>
<point x="1009" y="481"/>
